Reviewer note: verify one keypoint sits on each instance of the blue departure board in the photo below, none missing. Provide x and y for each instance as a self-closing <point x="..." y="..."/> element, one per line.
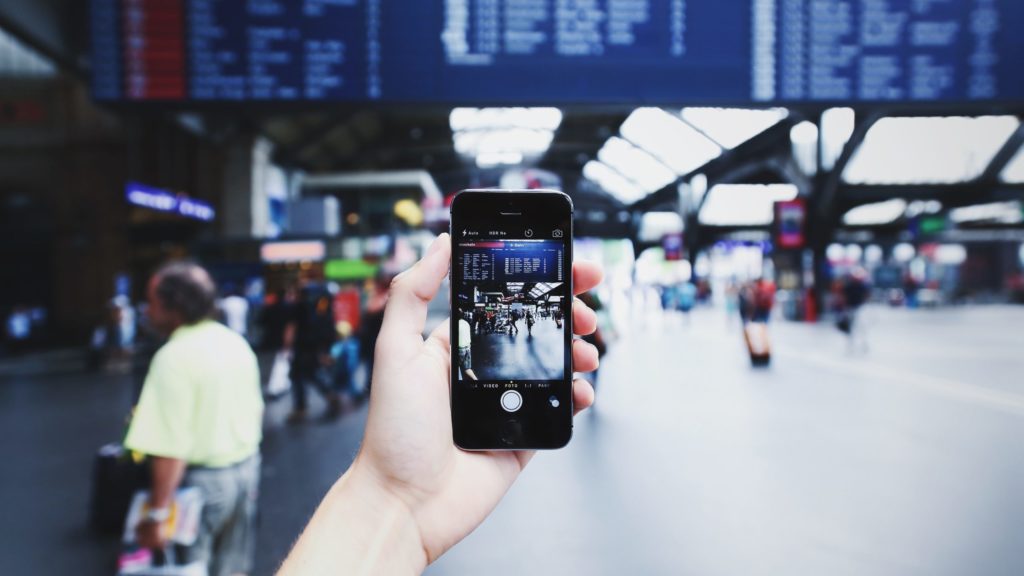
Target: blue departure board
<point x="558" y="51"/>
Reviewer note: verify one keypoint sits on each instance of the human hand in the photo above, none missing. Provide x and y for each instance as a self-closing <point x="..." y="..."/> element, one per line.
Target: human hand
<point x="150" y="534"/>
<point x="408" y="448"/>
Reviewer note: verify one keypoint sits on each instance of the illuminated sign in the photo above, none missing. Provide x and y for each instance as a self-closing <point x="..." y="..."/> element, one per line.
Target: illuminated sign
<point x="303" y="251"/>
<point x="164" y="201"/>
<point x="789" y="224"/>
<point x="349" y="270"/>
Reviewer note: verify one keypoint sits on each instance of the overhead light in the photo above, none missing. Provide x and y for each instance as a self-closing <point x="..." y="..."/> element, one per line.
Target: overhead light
<point x="635" y="164"/>
<point x="877" y="214"/>
<point x="612" y="182"/>
<point x="904" y="252"/>
<point x="730" y="127"/>
<point x="930" y="150"/>
<point x="674" y="142"/>
<point x="526" y="141"/>
<point x="919" y="207"/>
<point x="493" y="159"/>
<point x="503" y="136"/>
<point x="656" y="225"/>
<point x="462" y="119"/>
<point x="951" y="254"/>
<point x="804" y="140"/>
<point x="744" y="204"/>
<point x="995" y="213"/>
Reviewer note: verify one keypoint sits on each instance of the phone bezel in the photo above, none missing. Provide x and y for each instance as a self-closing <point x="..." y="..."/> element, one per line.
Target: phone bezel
<point x="523" y="205"/>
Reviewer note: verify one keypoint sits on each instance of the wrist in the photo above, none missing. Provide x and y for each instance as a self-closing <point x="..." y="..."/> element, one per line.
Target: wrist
<point x="393" y="530"/>
<point x="157" y="515"/>
<point x="359" y="528"/>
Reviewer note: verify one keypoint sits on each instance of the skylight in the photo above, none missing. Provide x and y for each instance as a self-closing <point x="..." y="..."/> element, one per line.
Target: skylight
<point x="1014" y="171"/>
<point x="655" y="225"/>
<point x="612" y="182"/>
<point x="672" y="141"/>
<point x="744" y="204"/>
<point x="935" y="150"/>
<point x="635" y="164"/>
<point x="994" y="213"/>
<point x="503" y="136"/>
<point x="543" y="288"/>
<point x="731" y="127"/>
<point x="19" y="60"/>
<point x="492" y="118"/>
<point x="876" y="214"/>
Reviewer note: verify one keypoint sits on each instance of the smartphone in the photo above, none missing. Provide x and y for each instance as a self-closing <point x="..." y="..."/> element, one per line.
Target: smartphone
<point x="511" y="319"/>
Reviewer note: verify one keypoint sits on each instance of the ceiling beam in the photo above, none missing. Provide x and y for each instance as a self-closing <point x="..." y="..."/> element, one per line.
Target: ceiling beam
<point x="1005" y="154"/>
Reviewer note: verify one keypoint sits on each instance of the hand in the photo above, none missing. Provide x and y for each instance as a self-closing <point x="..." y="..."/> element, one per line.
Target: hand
<point x="150" y="534"/>
<point x="408" y="449"/>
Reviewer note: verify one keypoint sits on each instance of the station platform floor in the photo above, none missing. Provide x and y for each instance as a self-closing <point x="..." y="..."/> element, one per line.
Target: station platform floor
<point x="905" y="458"/>
<point x="534" y="354"/>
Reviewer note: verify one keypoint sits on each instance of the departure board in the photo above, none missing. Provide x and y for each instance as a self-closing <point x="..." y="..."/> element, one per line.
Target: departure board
<point x="558" y="51"/>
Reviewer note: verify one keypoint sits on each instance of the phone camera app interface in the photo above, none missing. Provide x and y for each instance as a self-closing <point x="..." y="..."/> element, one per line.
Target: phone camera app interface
<point x="510" y="307"/>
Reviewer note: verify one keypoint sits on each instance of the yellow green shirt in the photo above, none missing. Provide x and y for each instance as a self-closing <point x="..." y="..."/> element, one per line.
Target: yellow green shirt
<point x="201" y="401"/>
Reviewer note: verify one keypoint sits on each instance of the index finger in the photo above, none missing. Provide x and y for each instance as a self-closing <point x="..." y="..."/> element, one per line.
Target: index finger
<point x="585" y="275"/>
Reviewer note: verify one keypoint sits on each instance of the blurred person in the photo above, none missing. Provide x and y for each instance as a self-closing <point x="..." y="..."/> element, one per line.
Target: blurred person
<point x="910" y="288"/>
<point x="530" y="321"/>
<point x="105" y="340"/>
<point x="127" y="322"/>
<point x="199" y="420"/>
<point x="854" y="292"/>
<point x="763" y="300"/>
<point x="466" y="349"/>
<point x="732" y="300"/>
<point x="756" y="300"/>
<point x="513" y="322"/>
<point x="405" y="500"/>
<point x="369" y="326"/>
<point x="235" y="309"/>
<point x="704" y="291"/>
<point x="310" y="335"/>
<point x="274" y="317"/>
<point x="686" y="297"/>
<point x="345" y="360"/>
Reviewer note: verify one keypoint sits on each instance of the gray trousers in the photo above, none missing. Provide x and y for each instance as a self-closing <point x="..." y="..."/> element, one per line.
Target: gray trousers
<point x="227" y="530"/>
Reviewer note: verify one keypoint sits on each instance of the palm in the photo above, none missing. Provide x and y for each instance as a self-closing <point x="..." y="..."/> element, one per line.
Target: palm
<point x="409" y="431"/>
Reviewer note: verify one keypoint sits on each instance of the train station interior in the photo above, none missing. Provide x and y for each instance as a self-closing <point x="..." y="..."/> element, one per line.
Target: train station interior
<point x="808" y="214"/>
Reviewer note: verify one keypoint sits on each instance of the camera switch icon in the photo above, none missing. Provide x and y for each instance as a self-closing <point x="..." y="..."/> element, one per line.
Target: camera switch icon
<point x="556" y="233"/>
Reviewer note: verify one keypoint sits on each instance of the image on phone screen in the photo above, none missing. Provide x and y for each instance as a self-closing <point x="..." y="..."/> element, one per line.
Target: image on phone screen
<point x="510" y="308"/>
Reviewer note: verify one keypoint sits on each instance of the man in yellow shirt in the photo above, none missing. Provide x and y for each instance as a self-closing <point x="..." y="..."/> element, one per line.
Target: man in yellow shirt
<point x="199" y="419"/>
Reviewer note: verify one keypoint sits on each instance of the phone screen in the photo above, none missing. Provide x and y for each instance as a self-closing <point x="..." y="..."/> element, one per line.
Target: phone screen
<point x="511" y="328"/>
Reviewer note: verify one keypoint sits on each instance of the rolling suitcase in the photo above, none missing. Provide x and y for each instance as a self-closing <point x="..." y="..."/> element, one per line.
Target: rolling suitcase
<point x="758" y="343"/>
<point x="116" y="479"/>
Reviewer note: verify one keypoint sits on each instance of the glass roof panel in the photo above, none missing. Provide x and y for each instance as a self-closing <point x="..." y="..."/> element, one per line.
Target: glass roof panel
<point x="672" y="141"/>
<point x="930" y="150"/>
<point x="635" y="164"/>
<point x="612" y="182"/>
<point x="744" y="204"/>
<point x="731" y="127"/>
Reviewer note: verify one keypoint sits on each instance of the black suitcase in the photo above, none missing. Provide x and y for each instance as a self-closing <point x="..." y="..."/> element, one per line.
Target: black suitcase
<point x="115" y="479"/>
